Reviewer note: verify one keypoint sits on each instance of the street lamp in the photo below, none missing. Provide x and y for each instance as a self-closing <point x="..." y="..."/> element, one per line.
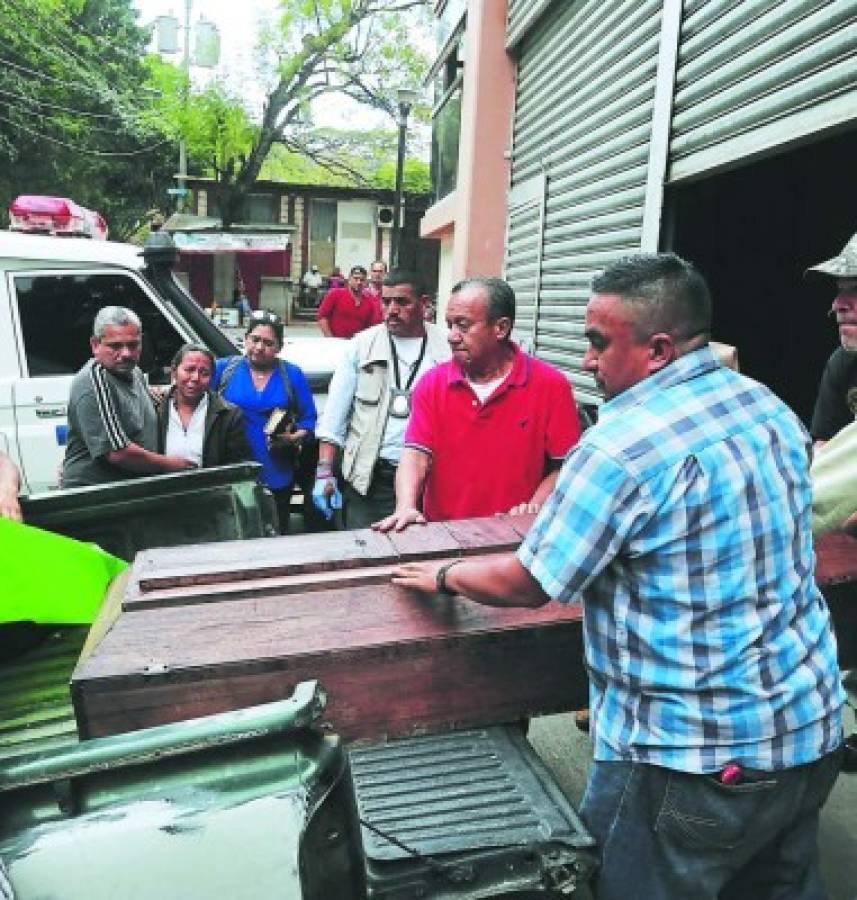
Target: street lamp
<point x="406" y="99"/>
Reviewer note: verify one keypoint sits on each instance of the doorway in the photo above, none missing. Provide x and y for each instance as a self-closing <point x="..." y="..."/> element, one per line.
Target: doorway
<point x="752" y="232"/>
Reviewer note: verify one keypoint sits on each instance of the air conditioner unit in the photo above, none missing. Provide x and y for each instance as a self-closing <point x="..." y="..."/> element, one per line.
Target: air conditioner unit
<point x="386" y="216"/>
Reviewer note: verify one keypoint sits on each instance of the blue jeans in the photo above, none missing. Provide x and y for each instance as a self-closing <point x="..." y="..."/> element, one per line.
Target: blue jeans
<point x="666" y="835"/>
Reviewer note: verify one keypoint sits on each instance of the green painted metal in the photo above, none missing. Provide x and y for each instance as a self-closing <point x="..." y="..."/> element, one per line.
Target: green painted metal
<point x="255" y="803"/>
<point x="217" y="504"/>
<point x="36" y="714"/>
<point x="137" y="748"/>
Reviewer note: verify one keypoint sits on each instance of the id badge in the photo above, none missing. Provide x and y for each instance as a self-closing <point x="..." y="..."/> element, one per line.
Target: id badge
<point x="400" y="403"/>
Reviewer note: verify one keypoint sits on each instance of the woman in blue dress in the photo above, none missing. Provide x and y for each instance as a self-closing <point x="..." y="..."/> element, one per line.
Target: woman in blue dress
<point x="261" y="384"/>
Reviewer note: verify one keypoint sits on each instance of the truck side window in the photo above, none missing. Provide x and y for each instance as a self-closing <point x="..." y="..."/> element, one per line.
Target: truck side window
<point x="57" y="311"/>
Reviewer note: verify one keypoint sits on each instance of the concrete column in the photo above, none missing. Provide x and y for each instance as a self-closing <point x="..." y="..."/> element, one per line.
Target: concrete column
<point x="297" y="240"/>
<point x="488" y="97"/>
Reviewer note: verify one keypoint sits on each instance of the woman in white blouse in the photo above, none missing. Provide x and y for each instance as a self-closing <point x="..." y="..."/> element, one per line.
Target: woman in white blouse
<point x="196" y="423"/>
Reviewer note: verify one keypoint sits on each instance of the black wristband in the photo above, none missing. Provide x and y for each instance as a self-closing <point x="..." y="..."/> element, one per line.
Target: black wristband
<point x="441" y="577"/>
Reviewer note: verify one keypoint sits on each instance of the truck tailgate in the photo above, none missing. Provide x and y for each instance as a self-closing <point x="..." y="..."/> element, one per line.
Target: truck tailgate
<point x="466" y="814"/>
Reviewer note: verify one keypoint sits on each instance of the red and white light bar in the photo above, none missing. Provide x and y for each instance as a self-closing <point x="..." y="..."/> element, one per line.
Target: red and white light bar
<point x="55" y="215"/>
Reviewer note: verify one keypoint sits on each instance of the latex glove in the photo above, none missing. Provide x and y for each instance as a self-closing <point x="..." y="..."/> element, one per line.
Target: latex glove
<point x="326" y="497"/>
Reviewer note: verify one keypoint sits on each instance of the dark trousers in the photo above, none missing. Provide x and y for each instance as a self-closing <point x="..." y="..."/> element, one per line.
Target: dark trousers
<point x="666" y="835"/>
<point x="283" y="499"/>
<point x="380" y="499"/>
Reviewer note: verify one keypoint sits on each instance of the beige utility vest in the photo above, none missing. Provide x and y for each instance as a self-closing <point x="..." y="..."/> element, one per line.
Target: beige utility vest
<point x="371" y="404"/>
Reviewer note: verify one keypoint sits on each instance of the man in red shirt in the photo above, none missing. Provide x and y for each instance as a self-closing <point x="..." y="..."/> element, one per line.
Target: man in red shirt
<point x="373" y="287"/>
<point x="489" y="429"/>
<point x="344" y="311"/>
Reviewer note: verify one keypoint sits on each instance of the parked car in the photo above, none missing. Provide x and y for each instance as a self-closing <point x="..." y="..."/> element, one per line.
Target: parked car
<point x="50" y="290"/>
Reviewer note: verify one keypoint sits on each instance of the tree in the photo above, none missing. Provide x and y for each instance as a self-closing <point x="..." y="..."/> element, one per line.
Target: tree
<point x="75" y="118"/>
<point x="344" y="158"/>
<point x="350" y="47"/>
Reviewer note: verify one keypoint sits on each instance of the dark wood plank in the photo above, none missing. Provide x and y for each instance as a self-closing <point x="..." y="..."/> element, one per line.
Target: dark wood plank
<point x="260" y="558"/>
<point x="836" y="558"/>
<point x="393" y="662"/>
<point x="522" y="524"/>
<point x="377" y="693"/>
<point x="489" y="533"/>
<point x="211" y="573"/>
<point x="836" y="574"/>
<point x="252" y="588"/>
<point x="424" y="541"/>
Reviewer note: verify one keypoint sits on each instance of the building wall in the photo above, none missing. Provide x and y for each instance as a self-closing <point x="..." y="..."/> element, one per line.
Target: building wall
<point x="626" y="113"/>
<point x="476" y="210"/>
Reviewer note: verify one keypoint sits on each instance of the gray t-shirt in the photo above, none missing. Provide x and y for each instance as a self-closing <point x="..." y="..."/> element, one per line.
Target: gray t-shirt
<point x="105" y="413"/>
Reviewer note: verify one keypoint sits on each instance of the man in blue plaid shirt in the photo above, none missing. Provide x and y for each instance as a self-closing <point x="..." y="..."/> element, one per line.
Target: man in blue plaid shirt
<point x="682" y="520"/>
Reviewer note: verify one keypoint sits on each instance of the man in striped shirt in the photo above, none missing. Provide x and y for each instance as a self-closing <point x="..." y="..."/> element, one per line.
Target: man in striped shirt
<point x="682" y="520"/>
<point x="112" y="431"/>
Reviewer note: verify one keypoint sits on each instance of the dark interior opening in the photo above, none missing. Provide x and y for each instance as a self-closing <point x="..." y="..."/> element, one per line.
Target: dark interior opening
<point x="752" y="232"/>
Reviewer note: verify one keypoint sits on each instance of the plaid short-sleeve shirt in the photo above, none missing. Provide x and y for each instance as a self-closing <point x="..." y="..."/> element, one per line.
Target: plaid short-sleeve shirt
<point x="682" y="519"/>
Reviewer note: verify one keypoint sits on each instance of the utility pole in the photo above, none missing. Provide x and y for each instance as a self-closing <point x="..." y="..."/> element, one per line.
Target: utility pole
<point x="182" y="177"/>
<point x="206" y="55"/>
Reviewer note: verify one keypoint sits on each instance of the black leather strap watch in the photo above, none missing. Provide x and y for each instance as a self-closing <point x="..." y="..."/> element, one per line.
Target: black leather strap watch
<point x="441" y="577"/>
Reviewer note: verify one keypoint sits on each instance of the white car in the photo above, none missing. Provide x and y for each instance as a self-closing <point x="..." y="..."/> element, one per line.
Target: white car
<point x="50" y="290"/>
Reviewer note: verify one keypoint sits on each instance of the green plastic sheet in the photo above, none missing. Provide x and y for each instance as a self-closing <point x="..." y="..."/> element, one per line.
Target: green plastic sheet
<point x="51" y="579"/>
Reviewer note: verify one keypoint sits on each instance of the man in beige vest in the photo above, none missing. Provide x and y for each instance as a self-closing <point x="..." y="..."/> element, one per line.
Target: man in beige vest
<point x="369" y="403"/>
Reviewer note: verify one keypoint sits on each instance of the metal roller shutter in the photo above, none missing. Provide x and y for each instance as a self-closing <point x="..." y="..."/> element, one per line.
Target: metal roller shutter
<point x="586" y="83"/>
<point x="754" y="75"/>
<point x="524" y="254"/>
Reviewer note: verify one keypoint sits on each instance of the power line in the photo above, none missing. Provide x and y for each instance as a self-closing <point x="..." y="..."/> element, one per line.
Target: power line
<point x="34" y="114"/>
<point x="63" y="81"/>
<point x="98" y="153"/>
<point x="68" y="109"/>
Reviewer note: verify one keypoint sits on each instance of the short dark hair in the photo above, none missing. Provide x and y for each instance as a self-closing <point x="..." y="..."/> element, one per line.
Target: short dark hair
<point x="667" y="293"/>
<point x="501" y="297"/>
<point x="183" y="351"/>
<point x="263" y="317"/>
<point x="357" y="270"/>
<point x="406" y="276"/>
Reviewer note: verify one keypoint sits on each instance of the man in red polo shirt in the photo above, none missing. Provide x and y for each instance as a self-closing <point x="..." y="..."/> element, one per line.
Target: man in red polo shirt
<point x="490" y="428"/>
<point x="346" y="310"/>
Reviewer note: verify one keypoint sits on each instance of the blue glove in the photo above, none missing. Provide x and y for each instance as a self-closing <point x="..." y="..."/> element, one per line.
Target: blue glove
<point x="326" y="505"/>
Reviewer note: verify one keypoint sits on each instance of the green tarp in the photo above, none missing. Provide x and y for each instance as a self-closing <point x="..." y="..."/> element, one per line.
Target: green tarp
<point x="51" y="579"/>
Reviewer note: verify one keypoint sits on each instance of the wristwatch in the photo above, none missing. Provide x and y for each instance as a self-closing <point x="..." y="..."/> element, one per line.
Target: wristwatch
<point x="441" y="577"/>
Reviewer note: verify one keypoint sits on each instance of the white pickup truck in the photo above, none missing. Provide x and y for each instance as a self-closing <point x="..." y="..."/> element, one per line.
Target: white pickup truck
<point x="50" y="290"/>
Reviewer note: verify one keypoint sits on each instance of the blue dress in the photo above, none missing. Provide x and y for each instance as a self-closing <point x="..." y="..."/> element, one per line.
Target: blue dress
<point x="257" y="406"/>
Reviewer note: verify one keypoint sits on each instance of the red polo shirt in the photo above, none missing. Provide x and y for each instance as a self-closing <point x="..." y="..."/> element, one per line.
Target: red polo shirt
<point x="345" y="315"/>
<point x="487" y="458"/>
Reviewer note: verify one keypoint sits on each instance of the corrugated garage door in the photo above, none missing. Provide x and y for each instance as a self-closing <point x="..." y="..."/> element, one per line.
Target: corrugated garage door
<point x="524" y="254"/>
<point x="586" y="82"/>
<point x="754" y="75"/>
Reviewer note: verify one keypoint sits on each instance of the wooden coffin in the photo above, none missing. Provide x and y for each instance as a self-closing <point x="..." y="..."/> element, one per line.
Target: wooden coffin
<point x="197" y="630"/>
<point x="836" y="574"/>
<point x="216" y="627"/>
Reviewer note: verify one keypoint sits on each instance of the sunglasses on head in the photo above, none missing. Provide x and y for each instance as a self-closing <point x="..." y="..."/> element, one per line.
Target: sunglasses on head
<point x="262" y="317"/>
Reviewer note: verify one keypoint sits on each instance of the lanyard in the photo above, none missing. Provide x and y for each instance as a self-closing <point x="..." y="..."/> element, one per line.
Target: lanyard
<point x="414" y="369"/>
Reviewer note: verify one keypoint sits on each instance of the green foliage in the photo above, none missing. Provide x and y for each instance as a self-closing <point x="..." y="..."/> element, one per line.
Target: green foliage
<point x="416" y="176"/>
<point x="75" y="117"/>
<point x="218" y="130"/>
<point x="85" y="113"/>
<point x="355" y="48"/>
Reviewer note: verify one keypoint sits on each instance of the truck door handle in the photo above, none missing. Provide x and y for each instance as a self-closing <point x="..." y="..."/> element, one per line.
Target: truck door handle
<point x="50" y="412"/>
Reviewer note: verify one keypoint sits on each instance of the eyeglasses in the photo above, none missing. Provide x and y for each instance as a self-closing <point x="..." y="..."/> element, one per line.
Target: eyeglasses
<point x="118" y="346"/>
